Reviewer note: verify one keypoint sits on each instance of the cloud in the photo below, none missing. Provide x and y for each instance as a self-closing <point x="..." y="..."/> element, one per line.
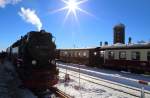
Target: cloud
<point x="30" y="16"/>
<point x="3" y="3"/>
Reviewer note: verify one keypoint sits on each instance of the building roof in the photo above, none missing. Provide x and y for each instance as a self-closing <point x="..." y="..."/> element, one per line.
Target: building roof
<point x="119" y="25"/>
<point x="128" y="46"/>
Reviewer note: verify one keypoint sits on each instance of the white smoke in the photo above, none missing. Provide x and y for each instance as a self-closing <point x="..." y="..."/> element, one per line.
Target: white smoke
<point x="3" y="3"/>
<point x="30" y="16"/>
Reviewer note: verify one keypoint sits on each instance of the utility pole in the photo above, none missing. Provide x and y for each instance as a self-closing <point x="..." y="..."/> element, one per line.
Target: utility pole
<point x="142" y="93"/>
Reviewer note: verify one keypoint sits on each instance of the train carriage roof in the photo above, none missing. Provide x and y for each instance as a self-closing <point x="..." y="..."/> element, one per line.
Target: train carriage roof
<point x="74" y="49"/>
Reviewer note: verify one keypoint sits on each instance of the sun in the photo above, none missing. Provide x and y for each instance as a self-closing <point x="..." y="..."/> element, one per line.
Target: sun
<point x="72" y="6"/>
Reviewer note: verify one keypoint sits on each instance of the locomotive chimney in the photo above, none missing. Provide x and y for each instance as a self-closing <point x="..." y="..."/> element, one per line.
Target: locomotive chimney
<point x="42" y="31"/>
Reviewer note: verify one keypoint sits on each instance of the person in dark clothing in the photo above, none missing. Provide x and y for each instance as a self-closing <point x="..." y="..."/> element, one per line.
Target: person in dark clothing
<point x="2" y="57"/>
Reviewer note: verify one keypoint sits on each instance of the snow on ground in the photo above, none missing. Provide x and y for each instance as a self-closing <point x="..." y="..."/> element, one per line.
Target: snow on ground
<point x="129" y="79"/>
<point x="117" y="86"/>
<point x="9" y="83"/>
<point x="87" y="89"/>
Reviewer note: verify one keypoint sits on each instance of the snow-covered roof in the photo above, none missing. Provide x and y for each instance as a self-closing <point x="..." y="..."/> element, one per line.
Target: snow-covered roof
<point x="116" y="46"/>
<point x="132" y="45"/>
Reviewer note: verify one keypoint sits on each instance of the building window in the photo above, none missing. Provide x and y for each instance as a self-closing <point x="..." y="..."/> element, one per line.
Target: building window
<point x="148" y="56"/>
<point x="135" y="55"/>
<point x="111" y="55"/>
<point x="122" y="55"/>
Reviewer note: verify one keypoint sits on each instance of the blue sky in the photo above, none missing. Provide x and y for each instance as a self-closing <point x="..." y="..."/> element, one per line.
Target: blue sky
<point x="88" y="32"/>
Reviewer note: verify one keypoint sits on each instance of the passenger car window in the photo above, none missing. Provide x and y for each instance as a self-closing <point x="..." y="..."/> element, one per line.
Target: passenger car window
<point x="102" y="54"/>
<point x="76" y="54"/>
<point x="122" y="55"/>
<point x="148" y="56"/>
<point x="79" y="54"/>
<point x="95" y="53"/>
<point x="84" y="54"/>
<point x="111" y="55"/>
<point x="65" y="53"/>
<point x="135" y="55"/>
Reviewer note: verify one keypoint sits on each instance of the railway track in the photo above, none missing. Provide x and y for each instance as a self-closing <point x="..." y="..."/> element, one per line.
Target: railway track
<point x="52" y="93"/>
<point x="61" y="94"/>
<point x="135" y="92"/>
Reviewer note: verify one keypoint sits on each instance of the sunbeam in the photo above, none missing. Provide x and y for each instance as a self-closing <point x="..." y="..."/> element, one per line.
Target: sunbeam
<point x="73" y="6"/>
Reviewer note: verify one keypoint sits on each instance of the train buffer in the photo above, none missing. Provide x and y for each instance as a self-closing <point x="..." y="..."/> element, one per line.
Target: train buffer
<point x="144" y="82"/>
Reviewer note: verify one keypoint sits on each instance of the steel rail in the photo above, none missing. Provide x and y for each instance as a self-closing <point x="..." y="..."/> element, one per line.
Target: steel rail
<point x="60" y="94"/>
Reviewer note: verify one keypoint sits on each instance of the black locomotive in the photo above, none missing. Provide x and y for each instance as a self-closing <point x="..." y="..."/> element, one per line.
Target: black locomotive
<point x="34" y="59"/>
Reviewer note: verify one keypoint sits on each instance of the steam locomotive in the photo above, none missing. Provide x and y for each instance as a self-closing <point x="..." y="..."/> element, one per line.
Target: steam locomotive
<point x="34" y="59"/>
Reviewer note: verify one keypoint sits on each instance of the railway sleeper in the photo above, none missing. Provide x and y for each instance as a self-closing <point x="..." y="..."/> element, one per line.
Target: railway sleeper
<point x="52" y="92"/>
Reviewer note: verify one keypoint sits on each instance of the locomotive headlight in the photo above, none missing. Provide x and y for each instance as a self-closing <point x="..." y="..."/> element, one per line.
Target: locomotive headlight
<point x="34" y="62"/>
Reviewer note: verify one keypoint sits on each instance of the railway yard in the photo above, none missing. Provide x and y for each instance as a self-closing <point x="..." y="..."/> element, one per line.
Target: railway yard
<point x="32" y="67"/>
<point x="26" y="71"/>
<point x="74" y="49"/>
<point x="84" y="82"/>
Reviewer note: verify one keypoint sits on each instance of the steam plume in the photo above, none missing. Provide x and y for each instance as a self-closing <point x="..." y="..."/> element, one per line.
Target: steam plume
<point x="30" y="16"/>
